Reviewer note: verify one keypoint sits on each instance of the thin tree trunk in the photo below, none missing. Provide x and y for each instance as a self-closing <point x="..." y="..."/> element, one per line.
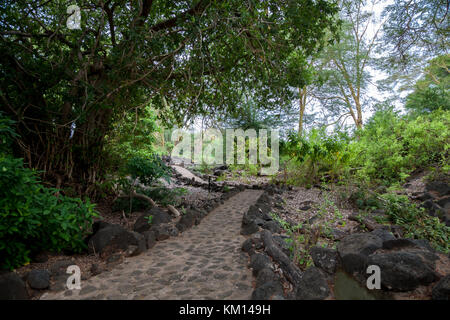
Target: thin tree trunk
<point x="302" y="103"/>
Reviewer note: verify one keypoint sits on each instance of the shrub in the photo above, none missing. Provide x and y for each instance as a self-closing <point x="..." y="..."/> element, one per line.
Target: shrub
<point x="34" y="219"/>
<point x="319" y="154"/>
<point x="148" y="169"/>
<point x="391" y="147"/>
<point x="417" y="223"/>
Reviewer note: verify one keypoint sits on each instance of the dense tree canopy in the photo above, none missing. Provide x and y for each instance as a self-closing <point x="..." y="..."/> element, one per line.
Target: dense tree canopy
<point x="65" y="86"/>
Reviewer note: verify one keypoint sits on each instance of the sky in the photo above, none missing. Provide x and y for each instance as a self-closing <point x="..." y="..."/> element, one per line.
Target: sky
<point x="372" y="90"/>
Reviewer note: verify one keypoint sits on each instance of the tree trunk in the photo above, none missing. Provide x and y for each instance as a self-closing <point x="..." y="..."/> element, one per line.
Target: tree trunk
<point x="302" y="103"/>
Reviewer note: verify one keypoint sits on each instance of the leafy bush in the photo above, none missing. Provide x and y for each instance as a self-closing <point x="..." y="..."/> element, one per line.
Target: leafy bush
<point x="390" y="147"/>
<point x="34" y="219"/>
<point x="7" y="133"/>
<point x="319" y="154"/>
<point x="162" y="195"/>
<point x="417" y="223"/>
<point x="133" y="135"/>
<point x="431" y="91"/>
<point x="148" y="169"/>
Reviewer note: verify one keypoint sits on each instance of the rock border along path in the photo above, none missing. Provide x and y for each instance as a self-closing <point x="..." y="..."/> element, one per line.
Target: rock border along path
<point x="204" y="262"/>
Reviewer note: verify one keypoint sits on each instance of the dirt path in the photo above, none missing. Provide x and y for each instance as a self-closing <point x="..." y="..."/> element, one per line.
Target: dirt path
<point x="204" y="262"/>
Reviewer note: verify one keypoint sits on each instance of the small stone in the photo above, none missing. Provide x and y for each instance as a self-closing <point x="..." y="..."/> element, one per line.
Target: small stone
<point x="441" y="291"/>
<point x="324" y="258"/>
<point x="39" y="279"/>
<point x="12" y="287"/>
<point x="312" y="286"/>
<point x="267" y="291"/>
<point x="259" y="261"/>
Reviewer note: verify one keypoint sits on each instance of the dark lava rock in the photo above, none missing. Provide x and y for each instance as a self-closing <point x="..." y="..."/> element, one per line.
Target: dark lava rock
<point x="259" y="261"/>
<point x="442" y="188"/>
<point x="325" y="259"/>
<point x="406" y="243"/>
<point x="247" y="245"/>
<point x="159" y="216"/>
<point x="313" y="285"/>
<point x="132" y="251"/>
<point x="280" y="240"/>
<point x="95" y="269"/>
<point x="423" y="196"/>
<point x="337" y="234"/>
<point x="59" y="268"/>
<point x="249" y="228"/>
<point x="268" y="291"/>
<point x="272" y="226"/>
<point x="187" y="220"/>
<point x="99" y="225"/>
<point x="290" y="270"/>
<point x="354" y="250"/>
<point x="12" y="287"/>
<point x="441" y="291"/>
<point x="39" y="279"/>
<point x="403" y="271"/>
<point x="444" y="203"/>
<point x="150" y="239"/>
<point x="162" y="231"/>
<point x="433" y="209"/>
<point x="114" y="237"/>
<point x="383" y="234"/>
<point x="40" y="257"/>
<point x="266" y="275"/>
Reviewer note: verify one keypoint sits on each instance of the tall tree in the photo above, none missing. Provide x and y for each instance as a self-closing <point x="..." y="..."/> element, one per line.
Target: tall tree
<point x="415" y="31"/>
<point x="65" y="87"/>
<point x="432" y="90"/>
<point x="343" y="68"/>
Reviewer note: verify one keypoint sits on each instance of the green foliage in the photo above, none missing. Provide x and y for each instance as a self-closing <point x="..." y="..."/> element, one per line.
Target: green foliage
<point x="148" y="170"/>
<point x="417" y="223"/>
<point x="7" y="133"/>
<point x="133" y="135"/>
<point x="34" y="219"/>
<point x="390" y="147"/>
<point x="68" y="88"/>
<point x="165" y="196"/>
<point x="432" y="90"/>
<point x="149" y="219"/>
<point x="299" y="242"/>
<point x="318" y="154"/>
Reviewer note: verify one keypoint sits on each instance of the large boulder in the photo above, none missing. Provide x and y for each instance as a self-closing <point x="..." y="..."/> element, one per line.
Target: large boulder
<point x="164" y="231"/>
<point x="266" y="275"/>
<point x="59" y="267"/>
<point x="189" y="219"/>
<point x="384" y="234"/>
<point x="441" y="291"/>
<point x="325" y="259"/>
<point x="404" y="270"/>
<point x="150" y="238"/>
<point x="38" y="279"/>
<point x="441" y="188"/>
<point x="114" y="237"/>
<point x="312" y="286"/>
<point x="159" y="216"/>
<point x="259" y="261"/>
<point x="355" y="248"/>
<point x="268" y="291"/>
<point x="12" y="287"/>
<point x="272" y="226"/>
